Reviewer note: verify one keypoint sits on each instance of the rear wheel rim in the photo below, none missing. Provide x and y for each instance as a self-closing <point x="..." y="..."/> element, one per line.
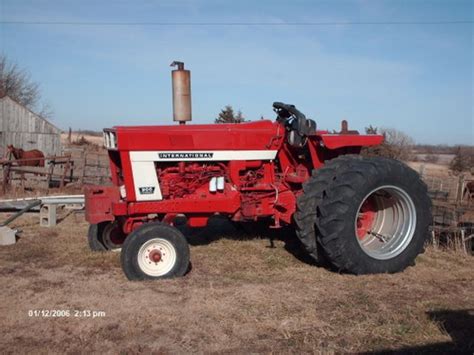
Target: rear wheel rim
<point x="385" y="222"/>
<point x="157" y="257"/>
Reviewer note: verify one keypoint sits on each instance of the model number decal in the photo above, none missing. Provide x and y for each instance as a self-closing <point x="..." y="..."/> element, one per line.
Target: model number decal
<point x="146" y="190"/>
<point x="185" y="155"/>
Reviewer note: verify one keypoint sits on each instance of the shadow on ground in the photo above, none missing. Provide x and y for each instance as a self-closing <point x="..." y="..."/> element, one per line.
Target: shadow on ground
<point x="220" y="227"/>
<point x="458" y="324"/>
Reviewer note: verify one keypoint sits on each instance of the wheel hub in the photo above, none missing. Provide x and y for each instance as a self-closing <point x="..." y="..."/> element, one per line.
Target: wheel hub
<point x="365" y="218"/>
<point x="155" y="256"/>
<point x="385" y="222"/>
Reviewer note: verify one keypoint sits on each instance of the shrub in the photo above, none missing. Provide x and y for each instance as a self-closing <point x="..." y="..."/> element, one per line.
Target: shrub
<point x="396" y="144"/>
<point x="463" y="160"/>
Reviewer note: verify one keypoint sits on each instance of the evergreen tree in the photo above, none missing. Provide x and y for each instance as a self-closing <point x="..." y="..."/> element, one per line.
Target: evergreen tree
<point x="227" y="115"/>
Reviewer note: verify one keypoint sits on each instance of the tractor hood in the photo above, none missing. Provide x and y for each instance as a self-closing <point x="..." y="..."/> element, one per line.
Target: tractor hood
<point x="258" y="135"/>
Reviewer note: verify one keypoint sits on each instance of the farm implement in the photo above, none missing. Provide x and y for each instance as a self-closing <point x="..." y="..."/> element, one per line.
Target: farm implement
<point x="364" y="215"/>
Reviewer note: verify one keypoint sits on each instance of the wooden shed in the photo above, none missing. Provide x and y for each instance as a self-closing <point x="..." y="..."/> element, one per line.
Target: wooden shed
<point x="25" y="129"/>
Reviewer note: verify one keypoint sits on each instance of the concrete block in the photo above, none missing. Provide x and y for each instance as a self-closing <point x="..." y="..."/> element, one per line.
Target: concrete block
<point x="7" y="236"/>
<point x="48" y="215"/>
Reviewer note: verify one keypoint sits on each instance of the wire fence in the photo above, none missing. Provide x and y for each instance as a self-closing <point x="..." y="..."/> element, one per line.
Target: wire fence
<point x="450" y="188"/>
<point x="453" y="211"/>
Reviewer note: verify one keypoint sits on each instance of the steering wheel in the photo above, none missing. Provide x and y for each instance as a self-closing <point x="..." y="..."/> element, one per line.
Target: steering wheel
<point x="286" y="113"/>
<point x="295" y="122"/>
<point x="294" y="119"/>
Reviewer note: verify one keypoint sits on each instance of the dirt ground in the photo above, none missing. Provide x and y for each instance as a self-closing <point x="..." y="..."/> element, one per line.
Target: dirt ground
<point x="240" y="296"/>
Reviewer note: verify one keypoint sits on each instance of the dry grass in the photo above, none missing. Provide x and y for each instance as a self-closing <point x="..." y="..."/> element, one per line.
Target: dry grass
<point x="76" y="136"/>
<point x="240" y="296"/>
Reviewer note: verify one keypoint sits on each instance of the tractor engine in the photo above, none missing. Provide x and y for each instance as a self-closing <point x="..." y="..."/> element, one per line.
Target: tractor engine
<point x="184" y="179"/>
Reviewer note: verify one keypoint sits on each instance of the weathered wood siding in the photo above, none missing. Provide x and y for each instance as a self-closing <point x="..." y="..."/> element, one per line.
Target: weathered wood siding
<point x="24" y="129"/>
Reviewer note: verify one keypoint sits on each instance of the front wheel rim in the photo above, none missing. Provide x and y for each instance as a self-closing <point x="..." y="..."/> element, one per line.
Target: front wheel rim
<point x="157" y="257"/>
<point x="385" y="222"/>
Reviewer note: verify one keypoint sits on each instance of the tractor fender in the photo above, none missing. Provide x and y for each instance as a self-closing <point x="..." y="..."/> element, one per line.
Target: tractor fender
<point x="334" y="141"/>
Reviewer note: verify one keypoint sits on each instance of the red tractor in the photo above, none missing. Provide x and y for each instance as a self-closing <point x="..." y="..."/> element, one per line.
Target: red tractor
<point x="365" y="215"/>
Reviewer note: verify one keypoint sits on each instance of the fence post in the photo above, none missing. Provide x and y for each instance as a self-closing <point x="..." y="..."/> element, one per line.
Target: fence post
<point x="84" y="162"/>
<point x="71" y="172"/>
<point x="434" y="241"/>
<point x="63" y="176"/>
<point x="463" y="240"/>
<point x="422" y="170"/>
<point x="460" y="189"/>
<point x="49" y="178"/>
<point x="6" y="177"/>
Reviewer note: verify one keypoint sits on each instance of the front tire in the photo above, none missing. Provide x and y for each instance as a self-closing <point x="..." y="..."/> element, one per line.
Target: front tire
<point x="155" y="251"/>
<point x="374" y="217"/>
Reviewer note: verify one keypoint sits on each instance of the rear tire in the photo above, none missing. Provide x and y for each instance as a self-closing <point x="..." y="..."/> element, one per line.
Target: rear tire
<point x="306" y="205"/>
<point x="374" y="217"/>
<point x="155" y="251"/>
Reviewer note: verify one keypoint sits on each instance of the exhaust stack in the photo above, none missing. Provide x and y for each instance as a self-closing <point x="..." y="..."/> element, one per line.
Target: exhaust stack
<point x="181" y="81"/>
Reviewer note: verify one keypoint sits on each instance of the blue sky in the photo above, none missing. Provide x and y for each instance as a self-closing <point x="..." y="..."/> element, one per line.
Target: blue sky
<point x="417" y="77"/>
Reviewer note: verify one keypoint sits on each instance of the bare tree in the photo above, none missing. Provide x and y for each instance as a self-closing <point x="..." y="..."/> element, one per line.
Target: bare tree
<point x="17" y="84"/>
<point x="46" y="111"/>
<point x="463" y="160"/>
<point x="371" y="130"/>
<point x="401" y="144"/>
<point x="396" y="144"/>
